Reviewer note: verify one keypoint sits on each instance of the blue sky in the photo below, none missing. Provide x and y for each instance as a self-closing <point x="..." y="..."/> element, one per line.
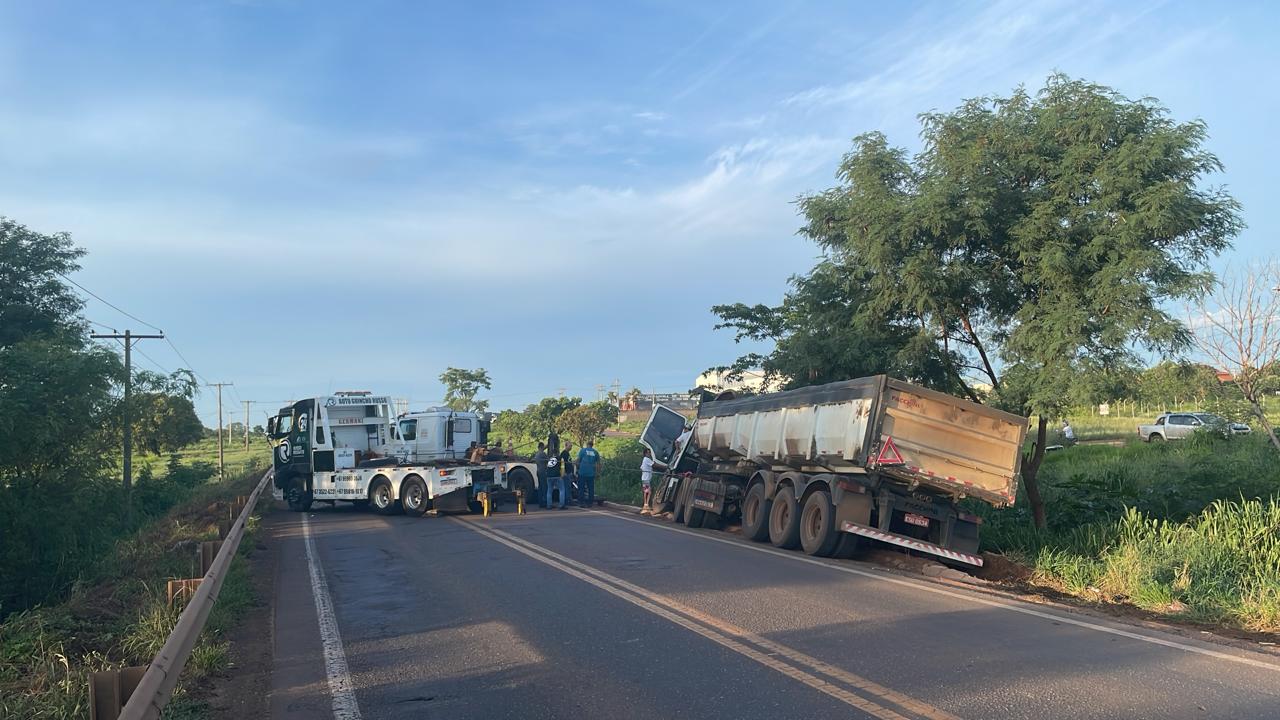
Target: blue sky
<point x="317" y="196"/>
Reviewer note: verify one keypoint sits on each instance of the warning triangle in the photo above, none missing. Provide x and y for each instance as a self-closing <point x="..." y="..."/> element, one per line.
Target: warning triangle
<point x="889" y="454"/>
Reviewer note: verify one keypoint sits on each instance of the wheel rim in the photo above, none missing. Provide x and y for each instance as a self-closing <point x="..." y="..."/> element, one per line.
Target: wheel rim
<point x="784" y="516"/>
<point x="382" y="497"/>
<point x="813" y="522"/>
<point x="752" y="510"/>
<point x="295" y="496"/>
<point x="413" y="498"/>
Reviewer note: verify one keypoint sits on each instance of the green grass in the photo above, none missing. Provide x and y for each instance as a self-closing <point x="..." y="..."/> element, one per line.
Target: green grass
<point x="117" y="615"/>
<point x="1187" y="528"/>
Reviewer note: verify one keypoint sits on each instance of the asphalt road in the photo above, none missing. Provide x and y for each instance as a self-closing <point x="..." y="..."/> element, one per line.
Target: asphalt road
<point x="584" y="614"/>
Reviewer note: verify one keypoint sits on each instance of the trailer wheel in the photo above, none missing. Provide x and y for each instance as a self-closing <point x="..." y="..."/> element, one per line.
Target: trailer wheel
<point x="678" y="513"/>
<point x="818" y="535"/>
<point x="784" y="520"/>
<point x="694" y="517"/>
<point x="847" y="546"/>
<point x="659" y="503"/>
<point x="413" y="496"/>
<point x="297" y="496"/>
<point x="755" y="514"/>
<point x="380" y="497"/>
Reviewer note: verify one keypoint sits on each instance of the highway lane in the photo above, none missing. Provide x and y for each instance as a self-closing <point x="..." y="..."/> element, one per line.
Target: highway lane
<point x="585" y="614"/>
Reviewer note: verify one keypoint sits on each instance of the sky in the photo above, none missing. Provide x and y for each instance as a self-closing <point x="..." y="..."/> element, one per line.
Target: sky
<point x="310" y="196"/>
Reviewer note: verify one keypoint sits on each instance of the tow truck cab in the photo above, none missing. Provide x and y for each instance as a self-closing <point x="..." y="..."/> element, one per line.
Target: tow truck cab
<point x="333" y="432"/>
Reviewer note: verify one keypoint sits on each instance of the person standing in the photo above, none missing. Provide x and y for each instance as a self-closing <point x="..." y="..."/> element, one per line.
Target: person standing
<point x="540" y="457"/>
<point x="566" y="468"/>
<point x="646" y="480"/>
<point x="555" y="479"/>
<point x="588" y="460"/>
<point x="1068" y="433"/>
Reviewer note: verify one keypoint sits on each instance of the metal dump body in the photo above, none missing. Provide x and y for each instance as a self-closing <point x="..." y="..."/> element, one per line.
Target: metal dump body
<point x="875" y="424"/>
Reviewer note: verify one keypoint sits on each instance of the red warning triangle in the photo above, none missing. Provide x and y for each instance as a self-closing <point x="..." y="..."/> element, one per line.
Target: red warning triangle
<point x="889" y="454"/>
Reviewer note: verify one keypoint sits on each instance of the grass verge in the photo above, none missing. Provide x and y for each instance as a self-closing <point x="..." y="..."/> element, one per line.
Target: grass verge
<point x="119" y="617"/>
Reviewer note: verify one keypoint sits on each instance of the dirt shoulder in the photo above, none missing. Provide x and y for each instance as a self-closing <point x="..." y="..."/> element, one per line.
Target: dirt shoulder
<point x="244" y="689"/>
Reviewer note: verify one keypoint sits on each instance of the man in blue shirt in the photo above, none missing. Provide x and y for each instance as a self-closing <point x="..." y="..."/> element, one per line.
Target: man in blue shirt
<point x="588" y="461"/>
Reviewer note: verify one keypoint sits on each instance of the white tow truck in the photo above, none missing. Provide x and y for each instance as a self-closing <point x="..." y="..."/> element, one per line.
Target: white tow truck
<point x="352" y="447"/>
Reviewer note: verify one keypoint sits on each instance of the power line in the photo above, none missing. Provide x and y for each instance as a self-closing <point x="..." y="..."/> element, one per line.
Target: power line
<point x="184" y="359"/>
<point x="95" y="322"/>
<point x="109" y="304"/>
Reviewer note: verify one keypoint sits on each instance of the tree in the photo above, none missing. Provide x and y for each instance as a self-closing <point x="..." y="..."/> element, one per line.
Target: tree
<point x="535" y="421"/>
<point x="824" y="331"/>
<point x="1168" y="383"/>
<point x="587" y="422"/>
<point x="1035" y="237"/>
<point x="1238" y="328"/>
<point x="462" y="386"/>
<point x="55" y="387"/>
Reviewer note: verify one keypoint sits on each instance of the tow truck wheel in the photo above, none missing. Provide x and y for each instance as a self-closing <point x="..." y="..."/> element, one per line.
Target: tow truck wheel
<point x="818" y="535"/>
<point x="413" y="496"/>
<point x="297" y="496"/>
<point x="520" y="479"/>
<point x="784" y="520"/>
<point x="755" y="514"/>
<point x="380" y="497"/>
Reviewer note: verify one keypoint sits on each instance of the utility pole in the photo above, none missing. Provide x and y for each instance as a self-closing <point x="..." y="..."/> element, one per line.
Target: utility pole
<point x="246" y="426"/>
<point x="129" y="339"/>
<point x="220" y="385"/>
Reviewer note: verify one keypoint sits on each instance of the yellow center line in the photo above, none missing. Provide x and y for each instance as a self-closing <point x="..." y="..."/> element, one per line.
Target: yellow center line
<point x="727" y="634"/>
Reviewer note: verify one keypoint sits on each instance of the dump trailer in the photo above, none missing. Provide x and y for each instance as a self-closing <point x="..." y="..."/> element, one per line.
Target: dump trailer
<point x="830" y="467"/>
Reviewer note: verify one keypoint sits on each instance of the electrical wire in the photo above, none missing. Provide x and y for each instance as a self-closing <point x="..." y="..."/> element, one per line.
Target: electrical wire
<point x="109" y="304"/>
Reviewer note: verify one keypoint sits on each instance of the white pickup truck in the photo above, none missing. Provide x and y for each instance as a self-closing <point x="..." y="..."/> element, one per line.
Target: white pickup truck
<point x="1180" y="425"/>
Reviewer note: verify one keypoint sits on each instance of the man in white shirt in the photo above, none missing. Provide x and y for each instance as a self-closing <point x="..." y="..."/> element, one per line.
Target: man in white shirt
<point x="646" y="477"/>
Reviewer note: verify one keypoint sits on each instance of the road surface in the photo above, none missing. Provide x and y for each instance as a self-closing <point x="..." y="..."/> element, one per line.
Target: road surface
<point x="585" y="614"/>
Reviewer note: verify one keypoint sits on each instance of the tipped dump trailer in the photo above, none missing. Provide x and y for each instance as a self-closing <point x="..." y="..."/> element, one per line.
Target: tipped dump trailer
<point x="828" y="467"/>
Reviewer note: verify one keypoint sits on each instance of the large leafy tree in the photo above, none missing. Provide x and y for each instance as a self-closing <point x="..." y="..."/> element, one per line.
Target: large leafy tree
<point x="587" y="422"/>
<point x="55" y="387"/>
<point x="462" y="386"/>
<point x="536" y="421"/>
<point x="1037" y="236"/>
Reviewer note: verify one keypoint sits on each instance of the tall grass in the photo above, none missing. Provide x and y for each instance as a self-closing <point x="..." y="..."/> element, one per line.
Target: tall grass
<point x="120" y="616"/>
<point x="1190" y="528"/>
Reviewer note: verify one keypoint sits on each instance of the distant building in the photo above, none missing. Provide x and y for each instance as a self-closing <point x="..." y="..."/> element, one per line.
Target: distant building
<point x="1224" y="376"/>
<point x="751" y="381"/>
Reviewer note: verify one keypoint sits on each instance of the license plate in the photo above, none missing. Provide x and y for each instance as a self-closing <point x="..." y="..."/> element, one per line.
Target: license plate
<point x="914" y="519"/>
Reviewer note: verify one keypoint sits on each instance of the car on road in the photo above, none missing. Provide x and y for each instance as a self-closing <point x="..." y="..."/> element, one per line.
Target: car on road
<point x="1179" y="426"/>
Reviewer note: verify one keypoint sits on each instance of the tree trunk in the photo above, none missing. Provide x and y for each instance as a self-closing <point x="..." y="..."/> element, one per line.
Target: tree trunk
<point x="1030" y="471"/>
<point x="1266" y="424"/>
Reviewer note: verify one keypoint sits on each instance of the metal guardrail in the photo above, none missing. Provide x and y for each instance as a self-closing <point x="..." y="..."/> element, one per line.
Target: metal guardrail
<point x="155" y="688"/>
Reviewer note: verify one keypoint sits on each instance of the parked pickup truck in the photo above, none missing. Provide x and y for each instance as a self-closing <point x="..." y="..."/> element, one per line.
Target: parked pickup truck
<point x="1178" y="426"/>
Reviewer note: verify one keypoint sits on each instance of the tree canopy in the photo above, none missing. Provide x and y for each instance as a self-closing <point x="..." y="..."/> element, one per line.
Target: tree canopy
<point x="462" y="386"/>
<point x="587" y="422"/>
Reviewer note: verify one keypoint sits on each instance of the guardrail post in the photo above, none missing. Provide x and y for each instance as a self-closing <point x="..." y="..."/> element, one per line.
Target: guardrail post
<point x="109" y="690"/>
<point x="208" y="551"/>
<point x="181" y="588"/>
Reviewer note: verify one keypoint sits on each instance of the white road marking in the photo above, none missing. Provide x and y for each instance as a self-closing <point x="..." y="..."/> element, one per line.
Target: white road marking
<point x="927" y="587"/>
<point x="341" y="688"/>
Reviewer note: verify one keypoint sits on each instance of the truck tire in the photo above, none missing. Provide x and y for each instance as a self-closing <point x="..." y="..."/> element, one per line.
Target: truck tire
<point x="298" y="497"/>
<point x="755" y="514"/>
<point x="818" y="535"/>
<point x="380" y="497"/>
<point x="520" y="479"/>
<point x="413" y="496"/>
<point x="847" y="546"/>
<point x="660" y="505"/>
<point x="1155" y="437"/>
<point x="694" y="517"/>
<point x="678" y="513"/>
<point x="784" y="520"/>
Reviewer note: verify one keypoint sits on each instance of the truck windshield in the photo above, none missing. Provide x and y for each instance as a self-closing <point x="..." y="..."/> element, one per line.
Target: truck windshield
<point x="283" y="425"/>
<point x="409" y="429"/>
